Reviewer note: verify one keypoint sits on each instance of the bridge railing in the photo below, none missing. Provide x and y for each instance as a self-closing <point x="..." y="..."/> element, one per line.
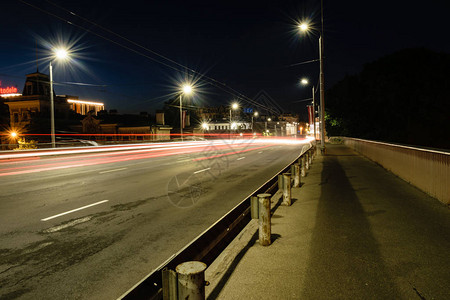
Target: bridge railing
<point x="428" y="170"/>
<point x="208" y="245"/>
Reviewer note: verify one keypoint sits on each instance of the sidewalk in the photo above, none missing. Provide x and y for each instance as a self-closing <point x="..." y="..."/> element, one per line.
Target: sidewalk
<point x="354" y="231"/>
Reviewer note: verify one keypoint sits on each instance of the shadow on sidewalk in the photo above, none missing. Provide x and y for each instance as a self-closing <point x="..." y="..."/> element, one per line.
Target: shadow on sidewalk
<point x="344" y="259"/>
<point x="218" y="288"/>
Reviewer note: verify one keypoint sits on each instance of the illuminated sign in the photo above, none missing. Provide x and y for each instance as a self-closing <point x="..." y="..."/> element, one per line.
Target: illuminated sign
<point x="8" y="89"/>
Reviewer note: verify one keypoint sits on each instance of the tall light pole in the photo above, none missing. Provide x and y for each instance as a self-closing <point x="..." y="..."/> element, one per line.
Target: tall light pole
<point x="305" y="27"/>
<point x="255" y="114"/>
<point x="322" y="96"/>
<point x="61" y="54"/>
<point x="187" y="89"/>
<point x="234" y="106"/>
<point x="305" y="81"/>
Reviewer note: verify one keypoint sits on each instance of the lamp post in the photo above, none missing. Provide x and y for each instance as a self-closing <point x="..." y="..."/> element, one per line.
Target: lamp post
<point x="61" y="54"/>
<point x="187" y="89"/>
<point x="304" y="27"/>
<point x="265" y="125"/>
<point x="234" y="106"/>
<point x="255" y="114"/>
<point x="305" y="81"/>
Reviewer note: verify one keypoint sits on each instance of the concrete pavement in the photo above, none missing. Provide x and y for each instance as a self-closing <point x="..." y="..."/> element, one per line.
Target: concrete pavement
<point x="354" y="231"/>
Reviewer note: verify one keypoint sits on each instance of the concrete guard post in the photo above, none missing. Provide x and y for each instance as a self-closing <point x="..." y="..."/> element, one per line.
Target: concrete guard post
<point x="310" y="156"/>
<point x="191" y="280"/>
<point x="295" y="171"/>
<point x="307" y="160"/>
<point x="302" y="161"/>
<point x="264" y="226"/>
<point x="286" y="189"/>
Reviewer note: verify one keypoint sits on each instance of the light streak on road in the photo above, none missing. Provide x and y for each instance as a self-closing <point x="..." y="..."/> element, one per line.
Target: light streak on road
<point x="31" y="162"/>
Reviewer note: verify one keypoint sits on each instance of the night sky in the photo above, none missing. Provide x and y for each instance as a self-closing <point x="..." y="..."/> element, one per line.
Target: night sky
<point x="244" y="45"/>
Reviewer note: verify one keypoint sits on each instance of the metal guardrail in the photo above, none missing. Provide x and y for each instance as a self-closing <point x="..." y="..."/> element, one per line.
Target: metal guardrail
<point x="208" y="245"/>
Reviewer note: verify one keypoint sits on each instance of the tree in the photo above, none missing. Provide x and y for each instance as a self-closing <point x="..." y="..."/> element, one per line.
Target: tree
<point x="403" y="98"/>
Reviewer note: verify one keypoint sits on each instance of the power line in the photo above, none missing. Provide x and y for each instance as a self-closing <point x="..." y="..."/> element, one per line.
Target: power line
<point x="211" y="80"/>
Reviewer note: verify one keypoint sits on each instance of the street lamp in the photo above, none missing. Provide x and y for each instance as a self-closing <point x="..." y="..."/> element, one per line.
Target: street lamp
<point x="187" y="89"/>
<point x="234" y="106"/>
<point x="61" y="54"/>
<point x="304" y="27"/>
<point x="305" y="81"/>
<point x="255" y="114"/>
<point x="265" y="124"/>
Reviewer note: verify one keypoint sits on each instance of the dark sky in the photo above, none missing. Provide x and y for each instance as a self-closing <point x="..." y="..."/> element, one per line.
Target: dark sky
<point x="244" y="45"/>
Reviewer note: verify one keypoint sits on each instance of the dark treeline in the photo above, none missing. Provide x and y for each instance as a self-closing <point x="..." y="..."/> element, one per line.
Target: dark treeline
<point x="402" y="98"/>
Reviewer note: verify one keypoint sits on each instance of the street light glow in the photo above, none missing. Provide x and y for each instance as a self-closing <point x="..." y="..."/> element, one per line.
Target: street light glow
<point x="187" y="89"/>
<point x="303" y="27"/>
<point x="235" y="106"/>
<point x="61" y="53"/>
<point x="205" y="126"/>
<point x="255" y="114"/>
<point x="13" y="134"/>
<point x="304" y="81"/>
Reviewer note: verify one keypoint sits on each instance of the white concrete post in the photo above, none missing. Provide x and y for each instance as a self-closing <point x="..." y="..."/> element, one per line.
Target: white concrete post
<point x="303" y="166"/>
<point x="295" y="171"/>
<point x="286" y="189"/>
<point x="191" y="280"/>
<point x="264" y="219"/>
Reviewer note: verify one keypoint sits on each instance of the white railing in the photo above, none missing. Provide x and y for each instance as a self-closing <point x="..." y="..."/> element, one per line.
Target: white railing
<point x="428" y="170"/>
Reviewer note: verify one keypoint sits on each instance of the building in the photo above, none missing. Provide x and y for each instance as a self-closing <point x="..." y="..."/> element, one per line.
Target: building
<point x="84" y="107"/>
<point x="35" y="101"/>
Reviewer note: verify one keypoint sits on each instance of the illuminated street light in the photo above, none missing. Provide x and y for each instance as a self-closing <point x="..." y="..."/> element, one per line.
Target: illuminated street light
<point x="13" y="134"/>
<point x="304" y="27"/>
<point x="265" y="124"/>
<point x="255" y="114"/>
<point x="205" y="126"/>
<point x="234" y="106"/>
<point x="61" y="54"/>
<point x="186" y="89"/>
<point x="305" y="81"/>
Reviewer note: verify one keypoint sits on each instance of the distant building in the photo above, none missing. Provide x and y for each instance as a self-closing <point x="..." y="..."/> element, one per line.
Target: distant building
<point x="84" y="107"/>
<point x="35" y="100"/>
<point x="116" y="128"/>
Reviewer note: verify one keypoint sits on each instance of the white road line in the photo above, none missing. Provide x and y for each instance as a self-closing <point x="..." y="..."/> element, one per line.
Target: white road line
<point x="74" y="210"/>
<point x="184" y="160"/>
<point x="109" y="171"/>
<point x="240" y="158"/>
<point x="259" y="152"/>
<point x="196" y="172"/>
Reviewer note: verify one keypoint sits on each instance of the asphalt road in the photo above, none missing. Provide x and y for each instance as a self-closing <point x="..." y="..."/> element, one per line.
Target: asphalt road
<point x="91" y="225"/>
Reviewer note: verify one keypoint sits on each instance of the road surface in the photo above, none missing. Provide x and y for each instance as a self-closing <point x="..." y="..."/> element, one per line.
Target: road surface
<point x="90" y="225"/>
